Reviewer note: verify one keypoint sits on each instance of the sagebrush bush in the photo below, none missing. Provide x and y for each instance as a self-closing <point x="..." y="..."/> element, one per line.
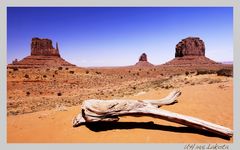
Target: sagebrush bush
<point x="59" y="94"/>
<point x="225" y="72"/>
<point x="26" y="76"/>
<point x="201" y="72"/>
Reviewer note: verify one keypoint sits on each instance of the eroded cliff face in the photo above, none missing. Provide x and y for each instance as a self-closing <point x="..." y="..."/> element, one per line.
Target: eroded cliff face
<point x="43" y="54"/>
<point x="143" y="61"/>
<point x="191" y="46"/>
<point x="43" y="47"/>
<point x="143" y="57"/>
<point x="190" y="51"/>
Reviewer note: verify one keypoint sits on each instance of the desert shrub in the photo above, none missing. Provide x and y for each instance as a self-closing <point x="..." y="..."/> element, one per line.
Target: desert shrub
<point x="225" y="72"/>
<point x="166" y="87"/>
<point x="60" y="68"/>
<point x="44" y="76"/>
<point x="13" y="112"/>
<point x="87" y="72"/>
<point x="134" y="87"/>
<point x="200" y="72"/>
<point x="15" y="69"/>
<point x="154" y="69"/>
<point x="97" y="72"/>
<point x="186" y="73"/>
<point x="211" y="82"/>
<point x="140" y="69"/>
<point x="121" y="77"/>
<point x="66" y="68"/>
<point x="158" y="83"/>
<point x="53" y="76"/>
<point x="147" y="72"/>
<point x="47" y="69"/>
<point x="72" y="72"/>
<point x="138" y="73"/>
<point x="27" y="93"/>
<point x="129" y="71"/>
<point x="26" y="76"/>
<point x="56" y="72"/>
<point x="59" y="94"/>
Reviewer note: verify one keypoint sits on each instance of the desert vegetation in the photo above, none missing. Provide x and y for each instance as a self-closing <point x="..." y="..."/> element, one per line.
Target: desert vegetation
<point x="31" y="90"/>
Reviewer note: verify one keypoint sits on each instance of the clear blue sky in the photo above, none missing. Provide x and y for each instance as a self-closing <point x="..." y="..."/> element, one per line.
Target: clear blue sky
<point x="116" y="36"/>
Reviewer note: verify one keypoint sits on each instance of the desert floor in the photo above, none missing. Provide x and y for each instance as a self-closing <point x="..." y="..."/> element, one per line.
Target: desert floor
<point x="208" y="101"/>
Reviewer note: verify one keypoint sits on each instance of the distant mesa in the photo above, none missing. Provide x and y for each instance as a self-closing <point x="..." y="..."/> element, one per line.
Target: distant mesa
<point x="190" y="51"/>
<point x="143" y="62"/>
<point x="43" y="54"/>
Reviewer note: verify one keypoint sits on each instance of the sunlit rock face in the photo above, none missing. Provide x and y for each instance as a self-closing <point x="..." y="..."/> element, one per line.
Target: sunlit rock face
<point x="190" y="51"/>
<point x="43" y="47"/>
<point x="191" y="46"/>
<point x="43" y="54"/>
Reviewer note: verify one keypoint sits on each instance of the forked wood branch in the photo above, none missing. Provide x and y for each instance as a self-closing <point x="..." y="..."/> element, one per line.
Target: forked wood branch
<point x="110" y="110"/>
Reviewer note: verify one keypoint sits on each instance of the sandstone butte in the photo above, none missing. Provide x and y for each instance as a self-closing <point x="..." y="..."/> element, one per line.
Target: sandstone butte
<point x="43" y="54"/>
<point x="143" y="62"/>
<point x="190" y="51"/>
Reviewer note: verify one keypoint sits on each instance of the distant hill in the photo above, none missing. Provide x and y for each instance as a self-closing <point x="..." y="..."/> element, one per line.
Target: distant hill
<point x="227" y="62"/>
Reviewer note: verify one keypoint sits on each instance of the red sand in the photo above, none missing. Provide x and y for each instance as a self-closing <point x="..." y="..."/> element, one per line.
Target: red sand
<point x="209" y="102"/>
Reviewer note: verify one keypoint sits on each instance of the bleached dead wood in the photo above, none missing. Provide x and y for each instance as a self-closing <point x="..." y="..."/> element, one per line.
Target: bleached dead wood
<point x="110" y="110"/>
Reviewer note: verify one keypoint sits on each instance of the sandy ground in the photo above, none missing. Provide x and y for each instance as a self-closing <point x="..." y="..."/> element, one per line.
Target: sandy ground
<point x="210" y="102"/>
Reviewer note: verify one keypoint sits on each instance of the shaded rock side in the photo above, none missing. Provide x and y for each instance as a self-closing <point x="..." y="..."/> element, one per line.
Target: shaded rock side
<point x="143" y="57"/>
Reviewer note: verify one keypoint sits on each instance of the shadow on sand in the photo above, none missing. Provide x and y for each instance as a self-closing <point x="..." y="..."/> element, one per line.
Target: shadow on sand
<point x="104" y="126"/>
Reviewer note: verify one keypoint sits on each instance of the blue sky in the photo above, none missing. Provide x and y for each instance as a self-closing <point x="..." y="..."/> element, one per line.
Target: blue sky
<point x="116" y="36"/>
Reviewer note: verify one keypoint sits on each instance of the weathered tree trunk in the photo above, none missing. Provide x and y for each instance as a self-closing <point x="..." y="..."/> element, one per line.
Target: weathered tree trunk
<point x="109" y="110"/>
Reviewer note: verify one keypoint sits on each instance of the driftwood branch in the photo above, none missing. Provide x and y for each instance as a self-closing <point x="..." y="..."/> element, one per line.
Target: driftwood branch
<point x="110" y="110"/>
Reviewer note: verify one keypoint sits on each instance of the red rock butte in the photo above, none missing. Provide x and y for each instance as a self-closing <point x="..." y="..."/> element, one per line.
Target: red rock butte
<point x="190" y="51"/>
<point x="43" y="54"/>
<point x="143" y="62"/>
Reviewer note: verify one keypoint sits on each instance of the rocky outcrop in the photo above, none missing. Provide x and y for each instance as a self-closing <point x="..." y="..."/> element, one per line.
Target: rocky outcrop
<point x="43" y="47"/>
<point x="43" y="54"/>
<point x="143" y="62"/>
<point x="191" y="46"/>
<point x="143" y="57"/>
<point x="190" y="51"/>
